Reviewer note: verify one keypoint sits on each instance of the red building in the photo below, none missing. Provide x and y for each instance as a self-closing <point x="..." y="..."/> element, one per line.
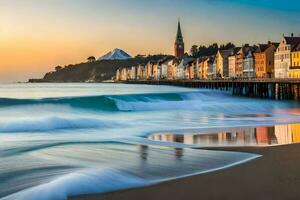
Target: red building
<point x="179" y="44"/>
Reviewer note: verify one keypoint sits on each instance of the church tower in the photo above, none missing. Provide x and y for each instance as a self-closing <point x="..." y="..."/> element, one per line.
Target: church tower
<point x="179" y="44"/>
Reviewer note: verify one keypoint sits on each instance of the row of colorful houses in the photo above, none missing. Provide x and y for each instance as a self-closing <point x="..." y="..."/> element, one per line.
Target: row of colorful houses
<point x="271" y="60"/>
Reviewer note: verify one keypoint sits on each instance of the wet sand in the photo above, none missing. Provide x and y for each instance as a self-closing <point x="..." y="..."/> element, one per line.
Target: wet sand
<point x="275" y="176"/>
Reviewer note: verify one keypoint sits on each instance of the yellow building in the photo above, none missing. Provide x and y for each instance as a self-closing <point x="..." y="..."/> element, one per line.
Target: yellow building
<point x="295" y="128"/>
<point x="294" y="70"/>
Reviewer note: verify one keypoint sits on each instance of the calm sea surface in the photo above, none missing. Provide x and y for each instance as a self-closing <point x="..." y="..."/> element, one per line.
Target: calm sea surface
<point x="59" y="140"/>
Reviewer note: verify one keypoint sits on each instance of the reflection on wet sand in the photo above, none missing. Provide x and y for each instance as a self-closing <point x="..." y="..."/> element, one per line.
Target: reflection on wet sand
<point x="246" y="136"/>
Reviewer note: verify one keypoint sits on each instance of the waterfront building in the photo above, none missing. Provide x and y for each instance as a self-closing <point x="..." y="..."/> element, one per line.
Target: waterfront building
<point x="133" y="73"/>
<point x="179" y="43"/>
<point x="232" y="63"/>
<point x="124" y="74"/>
<point x="191" y="69"/>
<point x="203" y="65"/>
<point x="200" y="68"/>
<point x="164" y="69"/>
<point x="149" y="70"/>
<point x="239" y="63"/>
<point x="140" y="72"/>
<point x="232" y="66"/>
<point x="118" y="75"/>
<point x="144" y="75"/>
<point x="195" y="64"/>
<point x="264" y="60"/>
<point x="294" y="70"/>
<point x="248" y="61"/>
<point x="205" y="68"/>
<point x="182" y="68"/>
<point x="155" y="71"/>
<point x="282" y="56"/>
<point x="158" y="70"/>
<point x="212" y="67"/>
<point x="172" y="68"/>
<point x="222" y="62"/>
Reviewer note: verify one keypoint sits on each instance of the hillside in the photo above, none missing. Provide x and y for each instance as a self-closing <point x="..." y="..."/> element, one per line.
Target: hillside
<point x="96" y="71"/>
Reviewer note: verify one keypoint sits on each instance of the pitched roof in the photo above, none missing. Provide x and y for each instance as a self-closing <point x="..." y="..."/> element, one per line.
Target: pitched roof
<point x="296" y="47"/>
<point x="262" y="48"/>
<point x="226" y="53"/>
<point x="292" y="40"/>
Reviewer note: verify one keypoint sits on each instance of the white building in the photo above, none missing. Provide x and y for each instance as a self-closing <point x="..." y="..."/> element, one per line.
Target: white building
<point x="163" y="68"/>
<point x="248" y="63"/>
<point x="231" y="66"/>
<point x="282" y="58"/>
<point x="124" y="75"/>
<point x="180" y="71"/>
<point x="222" y="62"/>
<point x="212" y="67"/>
<point x="118" y="75"/>
<point x="133" y="73"/>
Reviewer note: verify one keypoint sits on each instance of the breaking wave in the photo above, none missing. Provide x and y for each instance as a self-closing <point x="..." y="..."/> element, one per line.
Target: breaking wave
<point x="202" y="100"/>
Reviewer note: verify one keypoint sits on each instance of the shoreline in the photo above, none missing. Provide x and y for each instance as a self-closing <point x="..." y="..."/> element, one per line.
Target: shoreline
<point x="275" y="175"/>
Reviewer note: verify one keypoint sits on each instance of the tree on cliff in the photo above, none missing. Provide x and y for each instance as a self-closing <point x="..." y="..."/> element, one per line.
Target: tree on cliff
<point x="194" y="50"/>
<point x="57" y="68"/>
<point x="91" y="59"/>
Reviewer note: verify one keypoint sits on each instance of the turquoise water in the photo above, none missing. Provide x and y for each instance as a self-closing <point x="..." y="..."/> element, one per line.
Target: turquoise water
<point x="68" y="139"/>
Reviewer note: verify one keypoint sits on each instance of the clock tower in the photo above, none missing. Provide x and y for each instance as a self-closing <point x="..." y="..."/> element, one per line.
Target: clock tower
<point x="179" y="44"/>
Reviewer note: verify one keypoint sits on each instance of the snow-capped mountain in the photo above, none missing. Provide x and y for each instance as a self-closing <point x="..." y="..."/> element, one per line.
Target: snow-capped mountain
<point x="116" y="54"/>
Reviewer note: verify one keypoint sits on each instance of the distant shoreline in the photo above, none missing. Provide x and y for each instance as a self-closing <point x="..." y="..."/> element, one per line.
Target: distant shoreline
<point x="273" y="176"/>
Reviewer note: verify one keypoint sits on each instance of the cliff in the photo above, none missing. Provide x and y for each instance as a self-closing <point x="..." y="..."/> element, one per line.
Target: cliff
<point x="96" y="71"/>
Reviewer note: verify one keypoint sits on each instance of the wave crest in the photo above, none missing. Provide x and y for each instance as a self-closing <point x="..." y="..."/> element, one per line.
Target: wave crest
<point x="53" y="123"/>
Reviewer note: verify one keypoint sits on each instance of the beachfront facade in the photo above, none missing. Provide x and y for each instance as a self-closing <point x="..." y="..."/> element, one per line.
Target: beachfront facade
<point x="203" y="68"/>
<point x="282" y="57"/>
<point x="222" y="62"/>
<point x="164" y="69"/>
<point x="248" y="62"/>
<point x="294" y="70"/>
<point x="264" y="60"/>
<point x="172" y="69"/>
<point x="155" y="71"/>
<point x="212" y="67"/>
<point x="133" y="73"/>
<point x="231" y="66"/>
<point x="269" y="60"/>
<point x="180" y="70"/>
<point x="239" y="63"/>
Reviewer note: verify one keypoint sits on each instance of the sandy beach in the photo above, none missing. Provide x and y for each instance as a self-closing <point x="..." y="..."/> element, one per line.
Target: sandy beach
<point x="275" y="175"/>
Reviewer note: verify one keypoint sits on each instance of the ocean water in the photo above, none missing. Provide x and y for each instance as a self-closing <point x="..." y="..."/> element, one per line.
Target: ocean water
<point x="60" y="140"/>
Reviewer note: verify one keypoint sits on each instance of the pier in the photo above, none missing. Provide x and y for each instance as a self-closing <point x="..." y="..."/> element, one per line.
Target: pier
<point x="279" y="89"/>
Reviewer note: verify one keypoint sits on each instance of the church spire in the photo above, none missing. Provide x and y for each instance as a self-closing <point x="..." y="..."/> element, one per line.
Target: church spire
<point x="179" y="44"/>
<point x="179" y="37"/>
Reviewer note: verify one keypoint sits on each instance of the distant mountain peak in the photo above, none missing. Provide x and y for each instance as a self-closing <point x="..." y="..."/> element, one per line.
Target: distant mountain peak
<point x="116" y="54"/>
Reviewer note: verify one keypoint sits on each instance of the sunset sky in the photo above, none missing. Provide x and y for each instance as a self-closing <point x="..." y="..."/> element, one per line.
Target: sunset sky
<point x="36" y="35"/>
